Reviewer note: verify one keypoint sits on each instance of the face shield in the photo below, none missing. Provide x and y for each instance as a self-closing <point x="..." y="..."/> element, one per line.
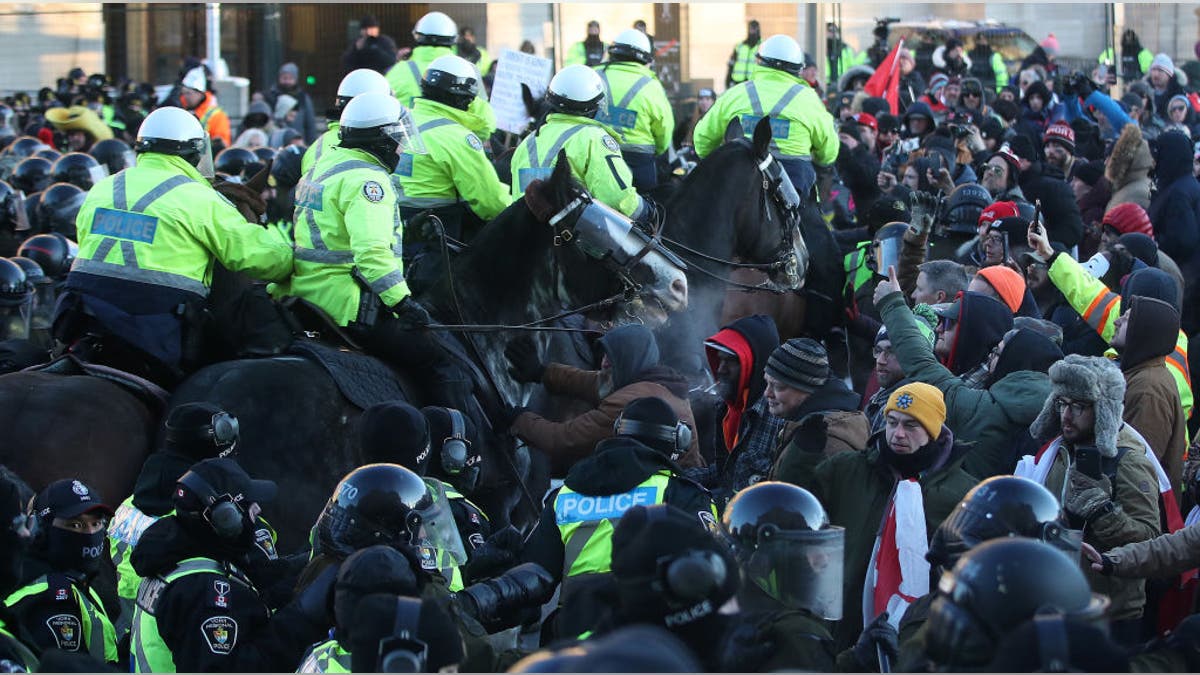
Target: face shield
<point x="887" y="254"/>
<point x="19" y="216"/>
<point x="406" y="134"/>
<point x="43" y="304"/>
<point x="205" y="164"/>
<point x="438" y="531"/>
<point x="15" y="321"/>
<point x="801" y="569"/>
<point x="97" y="173"/>
<point x="602" y="231"/>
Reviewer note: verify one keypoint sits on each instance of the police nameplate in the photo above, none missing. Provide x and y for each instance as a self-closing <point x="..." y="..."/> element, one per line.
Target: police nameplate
<point x="125" y="225"/>
<point x="528" y="175"/>
<point x="620" y="118"/>
<point x="577" y="508"/>
<point x="404" y="167"/>
<point x="779" y="127"/>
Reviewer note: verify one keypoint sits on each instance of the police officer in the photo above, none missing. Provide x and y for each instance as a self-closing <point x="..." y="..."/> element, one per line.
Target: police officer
<point x="435" y="34"/>
<point x="197" y="611"/>
<point x="375" y="569"/>
<point x="347" y="232"/>
<point x="57" y="607"/>
<point x="791" y="562"/>
<point x="193" y="432"/>
<point x="638" y="109"/>
<point x="574" y="98"/>
<point x="573" y="538"/>
<point x="149" y="238"/>
<point x="195" y="96"/>
<point x="388" y="504"/>
<point x="17" y="530"/>
<point x="803" y="131"/>
<point x="361" y="81"/>
<point x="454" y="177"/>
<point x="741" y="61"/>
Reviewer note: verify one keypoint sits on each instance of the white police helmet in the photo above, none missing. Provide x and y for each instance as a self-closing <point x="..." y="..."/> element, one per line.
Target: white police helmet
<point x="175" y="131"/>
<point x="452" y="80"/>
<point x="377" y="118"/>
<point x="195" y="79"/>
<point x="576" y="90"/>
<point x="361" y="81"/>
<point x="631" y="44"/>
<point x="781" y="52"/>
<point x="435" y="28"/>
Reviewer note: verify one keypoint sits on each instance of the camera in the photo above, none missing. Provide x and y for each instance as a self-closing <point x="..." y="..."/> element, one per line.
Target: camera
<point x="495" y="602"/>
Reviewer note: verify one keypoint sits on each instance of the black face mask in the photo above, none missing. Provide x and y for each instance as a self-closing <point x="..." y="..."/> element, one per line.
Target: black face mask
<point x="11" y="561"/>
<point x="76" y="551"/>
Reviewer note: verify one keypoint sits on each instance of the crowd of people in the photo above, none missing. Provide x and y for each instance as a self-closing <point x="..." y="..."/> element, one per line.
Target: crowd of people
<point x="986" y="464"/>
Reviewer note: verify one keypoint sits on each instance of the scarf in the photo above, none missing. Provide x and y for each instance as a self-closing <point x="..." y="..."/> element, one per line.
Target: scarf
<point x="898" y="573"/>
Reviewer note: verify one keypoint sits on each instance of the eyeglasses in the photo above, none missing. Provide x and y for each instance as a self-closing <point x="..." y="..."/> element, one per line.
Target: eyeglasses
<point x="1176" y="109"/>
<point x="1077" y="408"/>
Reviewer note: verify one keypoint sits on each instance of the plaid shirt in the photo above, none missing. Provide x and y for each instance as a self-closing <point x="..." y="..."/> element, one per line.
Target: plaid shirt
<point x="750" y="460"/>
<point x="977" y="378"/>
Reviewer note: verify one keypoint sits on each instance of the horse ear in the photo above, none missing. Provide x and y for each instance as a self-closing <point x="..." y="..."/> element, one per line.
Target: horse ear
<point x="259" y="182"/>
<point x="530" y="101"/>
<point x="562" y="169"/>
<point x="762" y="137"/>
<point x="734" y="130"/>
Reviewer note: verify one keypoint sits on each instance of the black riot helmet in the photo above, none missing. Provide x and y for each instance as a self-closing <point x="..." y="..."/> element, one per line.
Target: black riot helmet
<point x="997" y="586"/>
<point x="12" y="216"/>
<point x="233" y="162"/>
<point x="52" y="252"/>
<point x="58" y="207"/>
<point x="113" y="154"/>
<point x="374" y="504"/>
<point x="786" y="546"/>
<point x="15" y="289"/>
<point x="32" y="174"/>
<point x="1002" y="506"/>
<point x="25" y="146"/>
<point x="200" y="430"/>
<point x="79" y="169"/>
<point x="285" y="168"/>
<point x="33" y="271"/>
<point x="964" y="206"/>
<point x="49" y="153"/>
<point x="264" y="155"/>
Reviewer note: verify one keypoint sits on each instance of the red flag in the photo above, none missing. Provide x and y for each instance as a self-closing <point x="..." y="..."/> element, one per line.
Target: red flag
<point x="886" y="80"/>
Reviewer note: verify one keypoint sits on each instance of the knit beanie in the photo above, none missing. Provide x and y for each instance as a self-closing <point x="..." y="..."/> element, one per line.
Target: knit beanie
<point x="1006" y="153"/>
<point x="1141" y="246"/>
<point x="1062" y="133"/>
<point x="1163" y="63"/>
<point x="394" y="432"/>
<point x="1050" y="44"/>
<point x="290" y="68"/>
<point x="923" y="402"/>
<point x="800" y="363"/>
<point x="1088" y="172"/>
<point x="1128" y="217"/>
<point x="1008" y="285"/>
<point x="1022" y="147"/>
<point x="937" y="82"/>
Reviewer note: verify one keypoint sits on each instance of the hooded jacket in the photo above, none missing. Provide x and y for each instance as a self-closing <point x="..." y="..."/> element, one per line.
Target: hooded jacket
<point x="1128" y="169"/>
<point x="753" y="339"/>
<point x="847" y="429"/>
<point x="856" y="489"/>
<point x="1059" y="208"/>
<point x="1175" y="212"/>
<point x="992" y="419"/>
<point x="1151" y="399"/>
<point x="982" y="322"/>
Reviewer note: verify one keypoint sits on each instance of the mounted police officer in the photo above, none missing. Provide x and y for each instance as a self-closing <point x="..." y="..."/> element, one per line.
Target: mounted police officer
<point x="435" y="34"/>
<point x="57" y="607"/>
<point x="638" y="109"/>
<point x="348" y="230"/>
<point x="575" y="97"/>
<point x="803" y="131"/>
<point x="197" y="610"/>
<point x="361" y="81"/>
<point x="149" y="237"/>
<point x="573" y="538"/>
<point x="454" y="177"/>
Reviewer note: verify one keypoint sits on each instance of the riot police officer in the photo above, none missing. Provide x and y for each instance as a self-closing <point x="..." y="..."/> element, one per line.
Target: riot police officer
<point x="435" y="34"/>
<point x="803" y="131"/>
<point x="347" y="227"/>
<point x="17" y="530"/>
<point x="573" y="538"/>
<point x="197" y="610"/>
<point x="149" y="237"/>
<point x="454" y="177"/>
<point x="574" y="97"/>
<point x="361" y="81"/>
<point x="16" y="302"/>
<point x="638" y="109"/>
<point x="57" y="607"/>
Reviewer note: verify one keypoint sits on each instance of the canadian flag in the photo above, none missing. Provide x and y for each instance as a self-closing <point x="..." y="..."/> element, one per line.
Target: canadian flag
<point x="886" y="80"/>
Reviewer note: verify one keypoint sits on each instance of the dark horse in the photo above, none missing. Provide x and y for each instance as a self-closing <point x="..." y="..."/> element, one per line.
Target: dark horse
<point x="298" y="429"/>
<point x="727" y="224"/>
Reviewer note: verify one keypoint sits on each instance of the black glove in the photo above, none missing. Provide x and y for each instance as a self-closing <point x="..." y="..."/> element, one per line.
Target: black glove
<point x="411" y="314"/>
<point x="812" y="434"/>
<point x="511" y="413"/>
<point x="1186" y="639"/>
<point x="495" y="555"/>
<point x="745" y="648"/>
<point x="1083" y="85"/>
<point x="879" y="634"/>
<point x="315" y="601"/>
<point x="523" y="356"/>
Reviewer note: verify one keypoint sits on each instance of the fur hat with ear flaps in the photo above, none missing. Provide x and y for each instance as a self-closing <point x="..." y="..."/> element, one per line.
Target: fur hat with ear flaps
<point x="1085" y="378"/>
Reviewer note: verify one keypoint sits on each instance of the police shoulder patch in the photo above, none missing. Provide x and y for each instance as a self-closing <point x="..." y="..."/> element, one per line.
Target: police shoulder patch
<point x="373" y="191"/>
<point x="474" y="142"/>
<point x="610" y="143"/>
<point x="221" y="633"/>
<point x="67" y="630"/>
<point x="709" y="521"/>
